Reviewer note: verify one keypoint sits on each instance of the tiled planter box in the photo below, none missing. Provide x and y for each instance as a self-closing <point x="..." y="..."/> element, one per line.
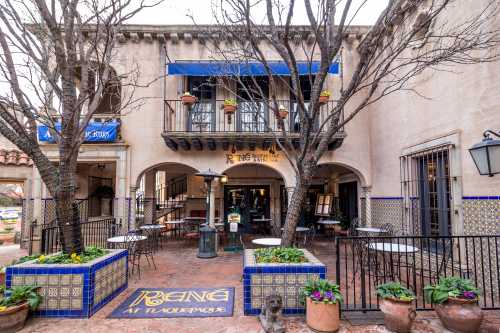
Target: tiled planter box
<point x="78" y="290"/>
<point x="287" y="280"/>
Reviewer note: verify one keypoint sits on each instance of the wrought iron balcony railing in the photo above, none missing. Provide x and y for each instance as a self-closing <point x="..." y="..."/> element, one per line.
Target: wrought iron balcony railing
<point x="249" y="117"/>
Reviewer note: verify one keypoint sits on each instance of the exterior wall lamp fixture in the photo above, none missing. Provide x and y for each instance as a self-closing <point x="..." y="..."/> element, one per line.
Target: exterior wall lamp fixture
<point x="486" y="154"/>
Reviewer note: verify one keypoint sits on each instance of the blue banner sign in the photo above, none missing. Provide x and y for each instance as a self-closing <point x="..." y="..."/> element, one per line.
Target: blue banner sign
<point x="94" y="132"/>
<point x="177" y="302"/>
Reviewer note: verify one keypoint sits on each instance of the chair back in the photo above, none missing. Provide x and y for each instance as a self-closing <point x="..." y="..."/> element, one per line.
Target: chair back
<point x="388" y="229"/>
<point x="353" y="227"/>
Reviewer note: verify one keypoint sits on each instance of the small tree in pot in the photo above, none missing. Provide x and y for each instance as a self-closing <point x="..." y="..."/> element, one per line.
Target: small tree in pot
<point x="14" y="307"/>
<point x="323" y="300"/>
<point x="456" y="302"/>
<point x="396" y="304"/>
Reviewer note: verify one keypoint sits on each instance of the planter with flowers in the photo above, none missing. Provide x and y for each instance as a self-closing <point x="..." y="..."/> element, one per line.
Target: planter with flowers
<point x="396" y="304"/>
<point x="456" y="303"/>
<point x="282" y="271"/>
<point x="15" y="304"/>
<point x="188" y="99"/>
<point x="72" y="285"/>
<point x="282" y="112"/>
<point x="324" y="96"/>
<point x="229" y="107"/>
<point x="323" y="300"/>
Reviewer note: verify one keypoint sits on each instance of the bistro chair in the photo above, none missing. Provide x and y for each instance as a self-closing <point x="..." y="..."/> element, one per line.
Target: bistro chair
<point x="146" y="248"/>
<point x="353" y="227"/>
<point x="309" y="236"/>
<point x="388" y="229"/>
<point x="133" y="258"/>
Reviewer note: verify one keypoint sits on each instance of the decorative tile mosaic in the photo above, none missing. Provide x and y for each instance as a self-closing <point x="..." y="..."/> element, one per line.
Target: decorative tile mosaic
<point x="73" y="290"/>
<point x="481" y="215"/>
<point x="287" y="280"/>
<point x="386" y="210"/>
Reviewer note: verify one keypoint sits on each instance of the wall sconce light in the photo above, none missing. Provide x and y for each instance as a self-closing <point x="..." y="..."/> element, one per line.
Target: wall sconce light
<point x="224" y="178"/>
<point x="486" y="154"/>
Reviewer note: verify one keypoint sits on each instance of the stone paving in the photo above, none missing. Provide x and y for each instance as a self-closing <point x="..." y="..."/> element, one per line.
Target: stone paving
<point x="178" y="266"/>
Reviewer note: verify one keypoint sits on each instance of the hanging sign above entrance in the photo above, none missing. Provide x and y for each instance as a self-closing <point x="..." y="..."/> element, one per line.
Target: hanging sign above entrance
<point x="251" y="158"/>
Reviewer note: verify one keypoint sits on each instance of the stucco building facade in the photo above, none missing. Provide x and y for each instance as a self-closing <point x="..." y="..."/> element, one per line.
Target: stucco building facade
<point x="403" y="160"/>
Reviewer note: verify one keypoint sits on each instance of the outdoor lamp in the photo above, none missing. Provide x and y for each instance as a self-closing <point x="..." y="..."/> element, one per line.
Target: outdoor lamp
<point x="208" y="242"/>
<point x="223" y="179"/>
<point x="486" y="154"/>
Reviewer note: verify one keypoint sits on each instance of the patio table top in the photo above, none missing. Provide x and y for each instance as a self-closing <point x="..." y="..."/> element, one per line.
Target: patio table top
<point x="267" y="241"/>
<point x="152" y="226"/>
<point x="393" y="247"/>
<point x="130" y="238"/>
<point x="329" y="222"/>
<point x="370" y="229"/>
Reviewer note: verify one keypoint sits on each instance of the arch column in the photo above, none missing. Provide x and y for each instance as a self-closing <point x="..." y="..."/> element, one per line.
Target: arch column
<point x="367" y="209"/>
<point x="133" y="206"/>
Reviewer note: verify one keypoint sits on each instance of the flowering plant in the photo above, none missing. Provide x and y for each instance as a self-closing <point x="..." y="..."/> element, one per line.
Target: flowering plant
<point x="325" y="93"/>
<point x="187" y="93"/>
<point x="322" y="291"/>
<point x="230" y="101"/>
<point x="451" y="287"/>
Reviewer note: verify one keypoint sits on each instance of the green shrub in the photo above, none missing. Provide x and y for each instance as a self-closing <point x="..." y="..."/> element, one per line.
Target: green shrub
<point x="395" y="290"/>
<point x="451" y="287"/>
<point x="280" y="255"/>
<point x="89" y="254"/>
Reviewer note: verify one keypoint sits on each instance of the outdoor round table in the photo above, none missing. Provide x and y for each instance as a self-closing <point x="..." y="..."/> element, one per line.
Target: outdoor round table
<point x="267" y="241"/>
<point x="300" y="229"/>
<point x="370" y="230"/>
<point x="120" y="240"/>
<point x="176" y="223"/>
<point x="152" y="227"/>
<point x="392" y="249"/>
<point x="329" y="222"/>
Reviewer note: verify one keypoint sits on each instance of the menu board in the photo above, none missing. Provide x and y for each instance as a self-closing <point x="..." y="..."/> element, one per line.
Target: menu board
<point x="324" y="204"/>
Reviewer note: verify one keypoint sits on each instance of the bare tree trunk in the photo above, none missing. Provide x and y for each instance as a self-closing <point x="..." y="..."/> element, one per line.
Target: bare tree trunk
<point x="293" y="214"/>
<point x="68" y="219"/>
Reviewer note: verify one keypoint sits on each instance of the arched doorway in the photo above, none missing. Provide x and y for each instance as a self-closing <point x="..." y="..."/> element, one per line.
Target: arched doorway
<point x="344" y="184"/>
<point x="168" y="191"/>
<point x="256" y="192"/>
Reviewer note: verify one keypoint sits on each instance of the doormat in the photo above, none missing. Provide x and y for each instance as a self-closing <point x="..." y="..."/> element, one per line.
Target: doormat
<point x="177" y="302"/>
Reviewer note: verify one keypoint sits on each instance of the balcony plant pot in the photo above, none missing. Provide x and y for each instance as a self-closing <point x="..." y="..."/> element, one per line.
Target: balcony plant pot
<point x="323" y="99"/>
<point x="229" y="109"/>
<point x="399" y="315"/>
<point x="282" y="113"/>
<point x="322" y="317"/>
<point x="13" y="318"/>
<point x="460" y="315"/>
<point x="188" y="99"/>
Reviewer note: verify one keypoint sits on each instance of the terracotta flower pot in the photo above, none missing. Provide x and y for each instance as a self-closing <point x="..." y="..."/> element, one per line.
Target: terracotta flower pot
<point x="398" y="315"/>
<point x="229" y="109"/>
<point x="322" y="317"/>
<point x="323" y="99"/>
<point x="282" y="114"/>
<point x="13" y="318"/>
<point x="188" y="99"/>
<point x="2" y="278"/>
<point x="460" y="315"/>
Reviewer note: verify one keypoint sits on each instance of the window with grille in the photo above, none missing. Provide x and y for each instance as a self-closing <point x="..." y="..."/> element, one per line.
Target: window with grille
<point x="426" y="192"/>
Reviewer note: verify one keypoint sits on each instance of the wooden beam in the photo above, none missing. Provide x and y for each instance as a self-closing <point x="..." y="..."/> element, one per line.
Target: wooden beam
<point x="197" y="144"/>
<point x="239" y="145"/>
<point x="211" y="144"/>
<point x="336" y="143"/>
<point x="266" y="144"/>
<point x="170" y="143"/>
<point x="251" y="145"/>
<point x="184" y="144"/>
<point x="296" y="143"/>
<point x="225" y="145"/>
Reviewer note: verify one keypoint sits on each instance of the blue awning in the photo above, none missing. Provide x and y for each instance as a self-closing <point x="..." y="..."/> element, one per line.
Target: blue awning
<point x="223" y="68"/>
<point x="94" y="132"/>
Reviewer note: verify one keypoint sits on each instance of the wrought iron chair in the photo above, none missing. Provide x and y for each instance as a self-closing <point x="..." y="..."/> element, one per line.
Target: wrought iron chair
<point x="146" y="247"/>
<point x="133" y="258"/>
<point x="353" y="227"/>
<point x="388" y="229"/>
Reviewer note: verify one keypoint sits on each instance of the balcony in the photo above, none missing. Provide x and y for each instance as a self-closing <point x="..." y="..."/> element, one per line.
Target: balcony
<point x="206" y="125"/>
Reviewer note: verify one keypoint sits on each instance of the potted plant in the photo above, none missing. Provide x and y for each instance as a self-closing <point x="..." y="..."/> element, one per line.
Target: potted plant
<point x="324" y="96"/>
<point x="229" y="107"/>
<point x="456" y="301"/>
<point x="323" y="300"/>
<point x="282" y="112"/>
<point x="188" y="99"/>
<point x="14" y="307"/>
<point x="396" y="304"/>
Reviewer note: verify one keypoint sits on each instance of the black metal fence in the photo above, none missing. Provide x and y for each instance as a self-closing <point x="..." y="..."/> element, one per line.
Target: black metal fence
<point x="94" y="233"/>
<point x="362" y="263"/>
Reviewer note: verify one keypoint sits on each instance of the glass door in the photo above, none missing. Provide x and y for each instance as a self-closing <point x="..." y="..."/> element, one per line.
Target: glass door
<point x="252" y="114"/>
<point x="202" y="114"/>
<point x="250" y="201"/>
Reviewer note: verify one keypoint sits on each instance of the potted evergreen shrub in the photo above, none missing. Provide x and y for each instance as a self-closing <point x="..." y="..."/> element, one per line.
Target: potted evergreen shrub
<point x="456" y="301"/>
<point x="188" y="99"/>
<point x="396" y="304"/>
<point x="323" y="300"/>
<point x="324" y="96"/>
<point x="15" y="305"/>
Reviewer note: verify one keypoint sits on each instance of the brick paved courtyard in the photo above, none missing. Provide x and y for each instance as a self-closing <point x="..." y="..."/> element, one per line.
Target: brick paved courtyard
<point x="179" y="267"/>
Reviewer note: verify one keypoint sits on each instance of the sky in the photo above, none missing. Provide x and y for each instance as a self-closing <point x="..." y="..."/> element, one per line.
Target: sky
<point x="178" y="11"/>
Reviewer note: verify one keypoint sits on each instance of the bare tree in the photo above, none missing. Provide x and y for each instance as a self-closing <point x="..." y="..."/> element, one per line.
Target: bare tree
<point x="409" y="37"/>
<point x="55" y="70"/>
